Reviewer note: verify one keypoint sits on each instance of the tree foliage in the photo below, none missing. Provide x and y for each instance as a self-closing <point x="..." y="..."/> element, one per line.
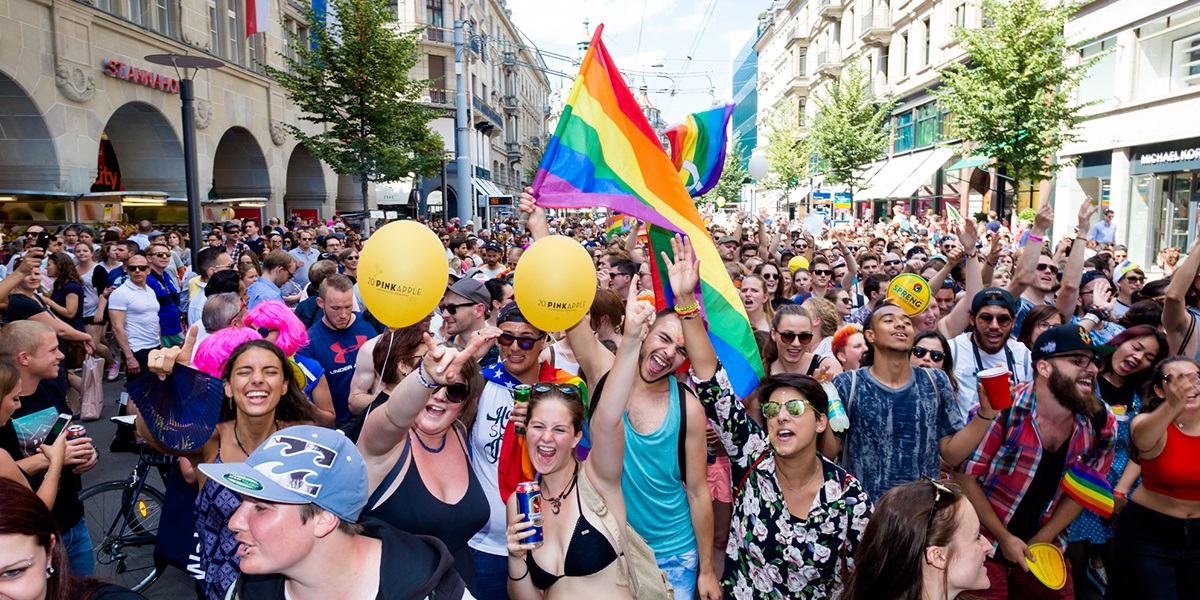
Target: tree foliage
<point x="850" y="129"/>
<point x="788" y="150"/>
<point x="1014" y="96"/>
<point x="352" y="80"/>
<point x="733" y="175"/>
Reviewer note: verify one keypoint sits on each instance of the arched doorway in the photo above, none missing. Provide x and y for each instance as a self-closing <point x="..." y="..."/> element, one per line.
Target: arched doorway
<point x="349" y="194"/>
<point x="239" y="167"/>
<point x="139" y="151"/>
<point x="305" y="194"/>
<point x="28" y="160"/>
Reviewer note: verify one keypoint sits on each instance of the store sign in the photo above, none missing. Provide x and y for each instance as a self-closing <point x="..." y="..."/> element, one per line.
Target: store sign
<point x="120" y="70"/>
<point x="1169" y="156"/>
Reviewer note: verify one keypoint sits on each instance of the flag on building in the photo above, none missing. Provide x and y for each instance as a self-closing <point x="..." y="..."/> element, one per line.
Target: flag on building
<point x="258" y="14"/>
<point x="698" y="148"/>
<point x="604" y="153"/>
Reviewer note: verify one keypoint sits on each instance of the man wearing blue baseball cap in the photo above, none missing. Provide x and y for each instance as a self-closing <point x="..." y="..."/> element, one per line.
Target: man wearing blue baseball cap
<point x="299" y="533"/>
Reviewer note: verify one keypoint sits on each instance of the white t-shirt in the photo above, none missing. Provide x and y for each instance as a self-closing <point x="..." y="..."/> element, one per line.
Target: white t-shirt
<point x="962" y="348"/>
<point x="141" y="314"/>
<point x="487" y="434"/>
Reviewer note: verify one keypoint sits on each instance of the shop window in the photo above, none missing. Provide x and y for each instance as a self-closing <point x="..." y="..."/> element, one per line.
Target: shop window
<point x="903" y="124"/>
<point x="927" y="118"/>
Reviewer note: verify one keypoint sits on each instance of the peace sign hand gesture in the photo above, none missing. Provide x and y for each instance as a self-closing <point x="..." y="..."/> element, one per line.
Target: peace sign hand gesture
<point x="447" y="363"/>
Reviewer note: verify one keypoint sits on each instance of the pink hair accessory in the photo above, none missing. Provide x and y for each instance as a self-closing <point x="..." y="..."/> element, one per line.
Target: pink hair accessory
<point x="212" y="352"/>
<point x="276" y="316"/>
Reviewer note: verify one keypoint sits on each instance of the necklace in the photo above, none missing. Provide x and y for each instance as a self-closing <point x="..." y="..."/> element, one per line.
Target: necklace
<point x="239" y="440"/>
<point x="432" y="450"/>
<point x="810" y="480"/>
<point x="556" y="502"/>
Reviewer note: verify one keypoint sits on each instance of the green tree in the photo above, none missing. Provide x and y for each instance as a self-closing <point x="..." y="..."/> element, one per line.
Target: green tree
<point x="352" y="80"/>
<point x="788" y="150"/>
<point x="733" y="175"/>
<point x="1014" y="97"/>
<point x="850" y="129"/>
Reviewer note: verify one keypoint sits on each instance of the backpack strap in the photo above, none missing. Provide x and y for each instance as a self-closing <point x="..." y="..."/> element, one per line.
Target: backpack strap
<point x="1188" y="336"/>
<point x="392" y="474"/>
<point x="681" y="393"/>
<point x="595" y="502"/>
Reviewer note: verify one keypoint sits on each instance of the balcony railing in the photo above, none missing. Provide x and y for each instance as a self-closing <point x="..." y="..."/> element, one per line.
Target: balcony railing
<point x="440" y="35"/>
<point x="830" y="9"/>
<point x="876" y="26"/>
<point x="482" y="108"/>
<point x="829" y="60"/>
<point x="440" y="96"/>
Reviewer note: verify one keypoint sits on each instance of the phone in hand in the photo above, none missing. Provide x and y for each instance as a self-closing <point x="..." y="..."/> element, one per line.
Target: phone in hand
<point x="59" y="426"/>
<point x="43" y="240"/>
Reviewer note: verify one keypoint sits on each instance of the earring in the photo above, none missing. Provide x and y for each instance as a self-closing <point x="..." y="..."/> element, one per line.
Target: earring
<point x="49" y="571"/>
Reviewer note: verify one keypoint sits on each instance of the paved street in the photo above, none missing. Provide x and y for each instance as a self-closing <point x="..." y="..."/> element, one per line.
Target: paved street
<point x="173" y="584"/>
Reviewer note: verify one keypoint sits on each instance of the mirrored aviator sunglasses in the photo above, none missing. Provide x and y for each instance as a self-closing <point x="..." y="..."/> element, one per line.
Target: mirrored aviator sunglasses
<point x="795" y="407"/>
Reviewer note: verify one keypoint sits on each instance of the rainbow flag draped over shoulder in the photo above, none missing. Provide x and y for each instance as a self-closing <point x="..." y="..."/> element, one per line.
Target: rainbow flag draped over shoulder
<point x="604" y="153"/>
<point x="1089" y="488"/>
<point x="698" y="148"/>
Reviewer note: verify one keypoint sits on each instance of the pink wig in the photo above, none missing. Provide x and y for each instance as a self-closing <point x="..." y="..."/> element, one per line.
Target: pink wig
<point x="276" y="316"/>
<point x="212" y="352"/>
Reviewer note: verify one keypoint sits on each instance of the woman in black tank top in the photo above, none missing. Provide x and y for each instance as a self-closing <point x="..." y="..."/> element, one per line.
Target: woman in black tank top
<point x="415" y="449"/>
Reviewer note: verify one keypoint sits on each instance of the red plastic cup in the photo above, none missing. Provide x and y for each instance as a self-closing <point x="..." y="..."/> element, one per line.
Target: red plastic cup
<point x="995" y="385"/>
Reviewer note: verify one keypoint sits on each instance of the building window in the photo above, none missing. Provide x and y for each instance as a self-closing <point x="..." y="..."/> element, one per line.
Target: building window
<point x="298" y="29"/>
<point x="801" y="107"/>
<point x="256" y="51"/>
<point x="904" y="56"/>
<point x="1100" y="82"/>
<point x="435" y="13"/>
<point x="928" y="40"/>
<point x="803" y="71"/>
<point x="960" y="15"/>
<point x="927" y="125"/>
<point x="105" y="5"/>
<point x="904" y="131"/>
<point x="1168" y="51"/>
<point x="884" y="53"/>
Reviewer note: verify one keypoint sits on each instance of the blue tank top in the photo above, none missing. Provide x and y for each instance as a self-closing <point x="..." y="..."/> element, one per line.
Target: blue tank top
<point x="655" y="502"/>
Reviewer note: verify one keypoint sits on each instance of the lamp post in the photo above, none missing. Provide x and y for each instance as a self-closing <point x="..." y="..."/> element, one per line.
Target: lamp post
<point x="190" y="65"/>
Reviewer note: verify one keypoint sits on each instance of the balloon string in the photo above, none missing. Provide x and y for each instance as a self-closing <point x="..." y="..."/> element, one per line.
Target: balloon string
<point x="379" y="378"/>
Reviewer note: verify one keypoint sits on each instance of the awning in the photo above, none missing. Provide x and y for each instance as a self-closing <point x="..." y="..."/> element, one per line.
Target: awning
<point x="485" y="188"/>
<point x="971" y="162"/>
<point x="933" y="160"/>
<point x="889" y="175"/>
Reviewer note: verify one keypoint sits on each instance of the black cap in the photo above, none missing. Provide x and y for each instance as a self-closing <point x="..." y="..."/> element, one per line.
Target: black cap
<point x="993" y="296"/>
<point x="1062" y="339"/>
<point x="493" y="245"/>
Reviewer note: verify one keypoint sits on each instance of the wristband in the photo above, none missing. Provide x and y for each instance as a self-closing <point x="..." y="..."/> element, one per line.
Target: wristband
<point x="689" y="311"/>
<point x="979" y="416"/>
<point x="1091" y="317"/>
<point x="421" y="376"/>
<point x="1034" y="238"/>
<point x="1120" y="495"/>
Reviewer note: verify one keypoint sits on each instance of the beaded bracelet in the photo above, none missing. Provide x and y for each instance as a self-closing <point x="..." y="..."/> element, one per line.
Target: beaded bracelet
<point x="421" y="376"/>
<point x="689" y="311"/>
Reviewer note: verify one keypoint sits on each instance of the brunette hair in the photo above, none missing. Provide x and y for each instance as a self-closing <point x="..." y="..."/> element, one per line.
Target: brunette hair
<point x="394" y="347"/>
<point x="1036" y="315"/>
<point x="779" y="291"/>
<point x="607" y="303"/>
<point x="65" y="265"/>
<point x="1138" y="331"/>
<point x="891" y="555"/>
<point x="9" y="378"/>
<point x="1150" y="398"/>
<point x="807" y="386"/>
<point x="947" y="358"/>
<point x="769" y="350"/>
<point x="293" y="407"/>
<point x="573" y="403"/>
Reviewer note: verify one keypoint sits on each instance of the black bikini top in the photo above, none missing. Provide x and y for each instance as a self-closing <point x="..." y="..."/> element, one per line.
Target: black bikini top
<point x="588" y="553"/>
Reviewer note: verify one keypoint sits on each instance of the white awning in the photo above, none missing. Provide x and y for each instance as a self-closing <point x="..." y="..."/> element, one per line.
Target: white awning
<point x="888" y="176"/>
<point x="485" y="188"/>
<point x="932" y="161"/>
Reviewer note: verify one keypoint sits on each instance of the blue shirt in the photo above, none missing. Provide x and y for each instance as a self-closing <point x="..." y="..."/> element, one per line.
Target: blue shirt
<point x="261" y="290"/>
<point x="1103" y="232"/>
<point x="169" y="320"/>
<point x="894" y="434"/>
<point x="336" y="351"/>
<point x="309" y="259"/>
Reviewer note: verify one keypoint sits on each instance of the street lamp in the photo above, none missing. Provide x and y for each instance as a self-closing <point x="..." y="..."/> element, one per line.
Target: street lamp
<point x="186" y="94"/>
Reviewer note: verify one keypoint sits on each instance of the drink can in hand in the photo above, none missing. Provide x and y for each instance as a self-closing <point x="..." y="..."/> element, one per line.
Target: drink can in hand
<point x="529" y="503"/>
<point x="521" y="395"/>
<point x="75" y="432"/>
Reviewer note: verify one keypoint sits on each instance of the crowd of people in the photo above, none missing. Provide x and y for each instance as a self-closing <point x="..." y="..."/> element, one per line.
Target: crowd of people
<point x="353" y="460"/>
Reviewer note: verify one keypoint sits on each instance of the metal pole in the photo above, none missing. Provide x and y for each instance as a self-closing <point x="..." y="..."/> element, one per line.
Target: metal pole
<point x="445" y="198"/>
<point x="462" y="143"/>
<point x="189" y="168"/>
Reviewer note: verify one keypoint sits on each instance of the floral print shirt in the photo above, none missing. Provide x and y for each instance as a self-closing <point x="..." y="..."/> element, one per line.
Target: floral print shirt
<point x="771" y="553"/>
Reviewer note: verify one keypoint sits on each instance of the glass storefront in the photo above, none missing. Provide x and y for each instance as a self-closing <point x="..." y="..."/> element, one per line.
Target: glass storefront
<point x="1162" y="213"/>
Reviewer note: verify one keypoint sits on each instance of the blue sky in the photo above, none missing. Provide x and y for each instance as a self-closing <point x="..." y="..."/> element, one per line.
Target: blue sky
<point x="667" y="29"/>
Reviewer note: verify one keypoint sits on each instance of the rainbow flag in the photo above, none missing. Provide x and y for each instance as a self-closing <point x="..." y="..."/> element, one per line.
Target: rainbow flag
<point x="698" y="148"/>
<point x="617" y="224"/>
<point x="1089" y="488"/>
<point x="604" y="153"/>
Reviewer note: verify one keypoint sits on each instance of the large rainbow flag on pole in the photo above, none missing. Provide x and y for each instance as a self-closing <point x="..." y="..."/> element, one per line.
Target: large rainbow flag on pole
<point x="698" y="148"/>
<point x="604" y="153"/>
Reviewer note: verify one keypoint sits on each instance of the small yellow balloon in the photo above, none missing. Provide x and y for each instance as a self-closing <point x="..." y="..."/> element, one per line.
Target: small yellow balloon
<point x="402" y="273"/>
<point x="555" y="283"/>
<point x="797" y="263"/>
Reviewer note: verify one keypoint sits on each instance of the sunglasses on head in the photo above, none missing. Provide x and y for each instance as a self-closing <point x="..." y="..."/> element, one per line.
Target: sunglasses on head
<point x="942" y="497"/>
<point x="566" y="389"/>
<point x="790" y="336"/>
<point x="1003" y="320"/>
<point x="453" y="308"/>
<point x="524" y="343"/>
<point x="935" y="355"/>
<point x="795" y="407"/>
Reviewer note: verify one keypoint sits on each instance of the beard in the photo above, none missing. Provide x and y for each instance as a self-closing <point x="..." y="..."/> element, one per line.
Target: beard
<point x="1067" y="393"/>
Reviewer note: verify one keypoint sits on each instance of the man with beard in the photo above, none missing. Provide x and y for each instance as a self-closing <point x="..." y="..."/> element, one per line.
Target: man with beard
<point x="728" y="247"/>
<point x="989" y="345"/>
<point x="891" y="265"/>
<point x="1013" y="478"/>
<point x="664" y="479"/>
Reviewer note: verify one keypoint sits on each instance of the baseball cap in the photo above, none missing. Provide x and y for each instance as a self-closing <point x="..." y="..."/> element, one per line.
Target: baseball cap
<point x="301" y="465"/>
<point x="493" y="246"/>
<point x="1062" y="339"/>
<point x="472" y="290"/>
<point x="993" y="296"/>
<point x="727" y="239"/>
<point x="231" y="226"/>
<point x="1090" y="276"/>
<point x="1124" y="269"/>
<point x="155" y="233"/>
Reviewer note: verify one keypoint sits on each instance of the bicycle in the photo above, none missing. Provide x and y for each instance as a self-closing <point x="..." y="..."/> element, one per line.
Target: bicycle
<point x="122" y="519"/>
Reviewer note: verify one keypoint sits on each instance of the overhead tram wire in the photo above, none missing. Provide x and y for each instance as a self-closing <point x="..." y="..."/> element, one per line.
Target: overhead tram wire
<point x="704" y="23"/>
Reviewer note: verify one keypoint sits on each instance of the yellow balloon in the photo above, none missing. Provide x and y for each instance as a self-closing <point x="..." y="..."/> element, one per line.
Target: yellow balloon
<point x="910" y="292"/>
<point x="797" y="263"/>
<point x="1048" y="565"/>
<point x="402" y="273"/>
<point x="555" y="283"/>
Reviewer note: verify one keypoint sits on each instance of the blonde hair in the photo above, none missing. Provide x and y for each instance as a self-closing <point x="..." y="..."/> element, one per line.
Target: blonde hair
<point x="826" y="312"/>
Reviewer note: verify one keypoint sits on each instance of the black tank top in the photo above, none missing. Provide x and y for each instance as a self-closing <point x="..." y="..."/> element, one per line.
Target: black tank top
<point x="414" y="509"/>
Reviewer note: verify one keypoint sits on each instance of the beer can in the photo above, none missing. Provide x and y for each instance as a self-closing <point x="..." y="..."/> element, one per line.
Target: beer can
<point x="521" y="395"/>
<point x="529" y="503"/>
<point x="75" y="432"/>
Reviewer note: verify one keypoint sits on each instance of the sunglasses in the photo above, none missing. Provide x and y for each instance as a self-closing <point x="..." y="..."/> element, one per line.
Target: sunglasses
<point x="1134" y="279"/>
<point x="770" y="276"/>
<point x="888" y="263"/>
<point x="935" y="355"/>
<point x="821" y="272"/>
<point x="1003" y="320"/>
<point x="137" y="268"/>
<point x="524" y="343"/>
<point x="453" y="308"/>
<point x="456" y="393"/>
<point x="160" y="254"/>
<point x="1046" y="267"/>
<point x="794" y="407"/>
<point x="790" y="336"/>
<point x="566" y="389"/>
<point x="355" y="257"/>
<point x="1082" y="360"/>
<point x="942" y="498"/>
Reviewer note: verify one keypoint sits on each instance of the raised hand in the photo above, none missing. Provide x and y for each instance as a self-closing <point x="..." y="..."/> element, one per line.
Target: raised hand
<point x="445" y="366"/>
<point x="1044" y="218"/>
<point x="536" y="223"/>
<point x="638" y="315"/>
<point x="1086" y="210"/>
<point x="968" y="233"/>
<point x="684" y="271"/>
<point x="162" y="362"/>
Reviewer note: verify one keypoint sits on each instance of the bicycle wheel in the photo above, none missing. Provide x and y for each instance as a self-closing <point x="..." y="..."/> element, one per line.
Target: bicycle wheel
<point x="123" y="532"/>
